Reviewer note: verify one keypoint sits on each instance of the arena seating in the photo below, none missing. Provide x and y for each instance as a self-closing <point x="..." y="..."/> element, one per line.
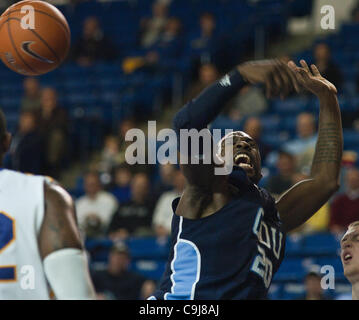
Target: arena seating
<point x="102" y="95"/>
<point x="302" y="255"/>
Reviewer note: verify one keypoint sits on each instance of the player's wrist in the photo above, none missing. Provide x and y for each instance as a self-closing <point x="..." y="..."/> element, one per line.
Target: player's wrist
<point x="236" y="78"/>
<point x="326" y="94"/>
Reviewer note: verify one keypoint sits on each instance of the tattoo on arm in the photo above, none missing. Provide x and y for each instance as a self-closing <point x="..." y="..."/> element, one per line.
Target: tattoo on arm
<point x="328" y="147"/>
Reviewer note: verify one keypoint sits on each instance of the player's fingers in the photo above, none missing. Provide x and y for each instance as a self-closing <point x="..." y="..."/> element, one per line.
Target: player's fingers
<point x="277" y="81"/>
<point x="305" y="66"/>
<point x="291" y="81"/>
<point x="292" y="66"/>
<point x="315" y="70"/>
<point x="268" y="83"/>
<point x="294" y="79"/>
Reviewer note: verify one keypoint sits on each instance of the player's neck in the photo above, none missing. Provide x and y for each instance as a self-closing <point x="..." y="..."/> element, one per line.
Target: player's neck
<point x="355" y="291"/>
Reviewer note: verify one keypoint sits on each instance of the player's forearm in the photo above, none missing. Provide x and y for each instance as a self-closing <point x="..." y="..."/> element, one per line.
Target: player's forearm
<point x="202" y="110"/>
<point x="329" y="147"/>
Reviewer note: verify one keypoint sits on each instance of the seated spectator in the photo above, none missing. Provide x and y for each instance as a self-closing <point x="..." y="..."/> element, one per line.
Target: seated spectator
<point x="110" y="156"/>
<point x="250" y="101"/>
<point x="117" y="282"/>
<point x="53" y="127"/>
<point x="162" y="216"/>
<point x="205" y="44"/>
<point x="151" y="28"/>
<point x="303" y="146"/>
<point x="96" y="208"/>
<point x="345" y="207"/>
<point x="31" y="101"/>
<point x="207" y="74"/>
<point x="328" y="69"/>
<point x="163" y="55"/>
<point x="253" y="127"/>
<point x="282" y="181"/>
<point x="27" y="147"/>
<point x="122" y="183"/>
<point x="165" y="182"/>
<point x="134" y="217"/>
<point x="93" y="45"/>
<point x="313" y="288"/>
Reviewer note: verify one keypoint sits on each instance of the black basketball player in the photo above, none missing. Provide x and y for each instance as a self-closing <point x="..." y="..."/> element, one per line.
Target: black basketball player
<point x="228" y="235"/>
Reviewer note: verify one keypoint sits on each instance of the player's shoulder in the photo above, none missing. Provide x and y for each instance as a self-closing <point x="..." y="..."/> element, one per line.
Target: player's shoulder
<point x="55" y="193"/>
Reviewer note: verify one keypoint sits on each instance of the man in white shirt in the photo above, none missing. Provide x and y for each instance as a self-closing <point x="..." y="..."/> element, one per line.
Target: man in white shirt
<point x="96" y="208"/>
<point x="162" y="217"/>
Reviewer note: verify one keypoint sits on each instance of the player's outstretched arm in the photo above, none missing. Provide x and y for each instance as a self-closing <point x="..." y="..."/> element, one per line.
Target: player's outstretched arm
<point x="65" y="261"/>
<point x="201" y="111"/>
<point x="300" y="202"/>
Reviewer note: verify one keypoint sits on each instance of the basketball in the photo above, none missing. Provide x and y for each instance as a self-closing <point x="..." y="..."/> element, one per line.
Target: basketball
<point x="34" y="37"/>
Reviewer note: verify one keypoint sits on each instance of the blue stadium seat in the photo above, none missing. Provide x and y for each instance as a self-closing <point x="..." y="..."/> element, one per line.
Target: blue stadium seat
<point x="351" y="139"/>
<point x="320" y="244"/>
<point x="293" y="246"/>
<point x="98" y="249"/>
<point x="151" y="268"/>
<point x="289" y="106"/>
<point x="147" y="248"/>
<point x="291" y="269"/>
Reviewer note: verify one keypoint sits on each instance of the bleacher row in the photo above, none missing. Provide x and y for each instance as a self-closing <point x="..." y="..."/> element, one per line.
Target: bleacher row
<point x="302" y="255"/>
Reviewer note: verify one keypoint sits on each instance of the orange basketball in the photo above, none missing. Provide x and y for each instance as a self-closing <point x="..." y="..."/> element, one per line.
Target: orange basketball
<point x="34" y="37"/>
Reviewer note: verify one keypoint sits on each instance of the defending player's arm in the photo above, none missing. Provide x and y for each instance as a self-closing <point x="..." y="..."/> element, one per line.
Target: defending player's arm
<point x="300" y="202"/>
<point x="201" y="111"/>
<point x="65" y="261"/>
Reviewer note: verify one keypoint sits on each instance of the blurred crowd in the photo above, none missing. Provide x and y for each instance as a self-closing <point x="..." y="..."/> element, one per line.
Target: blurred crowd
<point x="119" y="201"/>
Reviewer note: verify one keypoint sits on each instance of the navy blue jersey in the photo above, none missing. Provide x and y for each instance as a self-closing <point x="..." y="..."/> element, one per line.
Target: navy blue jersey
<point x="231" y="254"/>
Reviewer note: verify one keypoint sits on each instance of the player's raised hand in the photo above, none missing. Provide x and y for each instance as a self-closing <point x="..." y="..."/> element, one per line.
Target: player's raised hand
<point x="311" y="79"/>
<point x="278" y="78"/>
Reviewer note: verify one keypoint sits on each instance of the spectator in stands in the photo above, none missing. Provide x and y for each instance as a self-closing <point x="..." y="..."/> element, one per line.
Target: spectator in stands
<point x="205" y="44"/>
<point x="117" y="282"/>
<point x="134" y="217"/>
<point x="303" y="146"/>
<point x="355" y="13"/>
<point x="53" y="127"/>
<point x="93" y="45"/>
<point x="253" y="127"/>
<point x="96" y="208"/>
<point x="250" y="101"/>
<point x="207" y="74"/>
<point x="123" y="127"/>
<point x="151" y="28"/>
<point x="328" y="69"/>
<point x="31" y="101"/>
<point x="345" y="207"/>
<point x="163" y="55"/>
<point x="313" y="288"/>
<point x="282" y="181"/>
<point x="110" y="156"/>
<point x="165" y="182"/>
<point x="27" y="147"/>
<point x="122" y="183"/>
<point x="162" y="216"/>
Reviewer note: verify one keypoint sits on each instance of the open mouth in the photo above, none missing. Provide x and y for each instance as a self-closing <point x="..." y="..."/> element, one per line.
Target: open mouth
<point x="347" y="257"/>
<point x="243" y="160"/>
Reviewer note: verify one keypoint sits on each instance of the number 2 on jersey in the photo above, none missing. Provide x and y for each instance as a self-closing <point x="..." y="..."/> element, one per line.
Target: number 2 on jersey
<point x="7" y="236"/>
